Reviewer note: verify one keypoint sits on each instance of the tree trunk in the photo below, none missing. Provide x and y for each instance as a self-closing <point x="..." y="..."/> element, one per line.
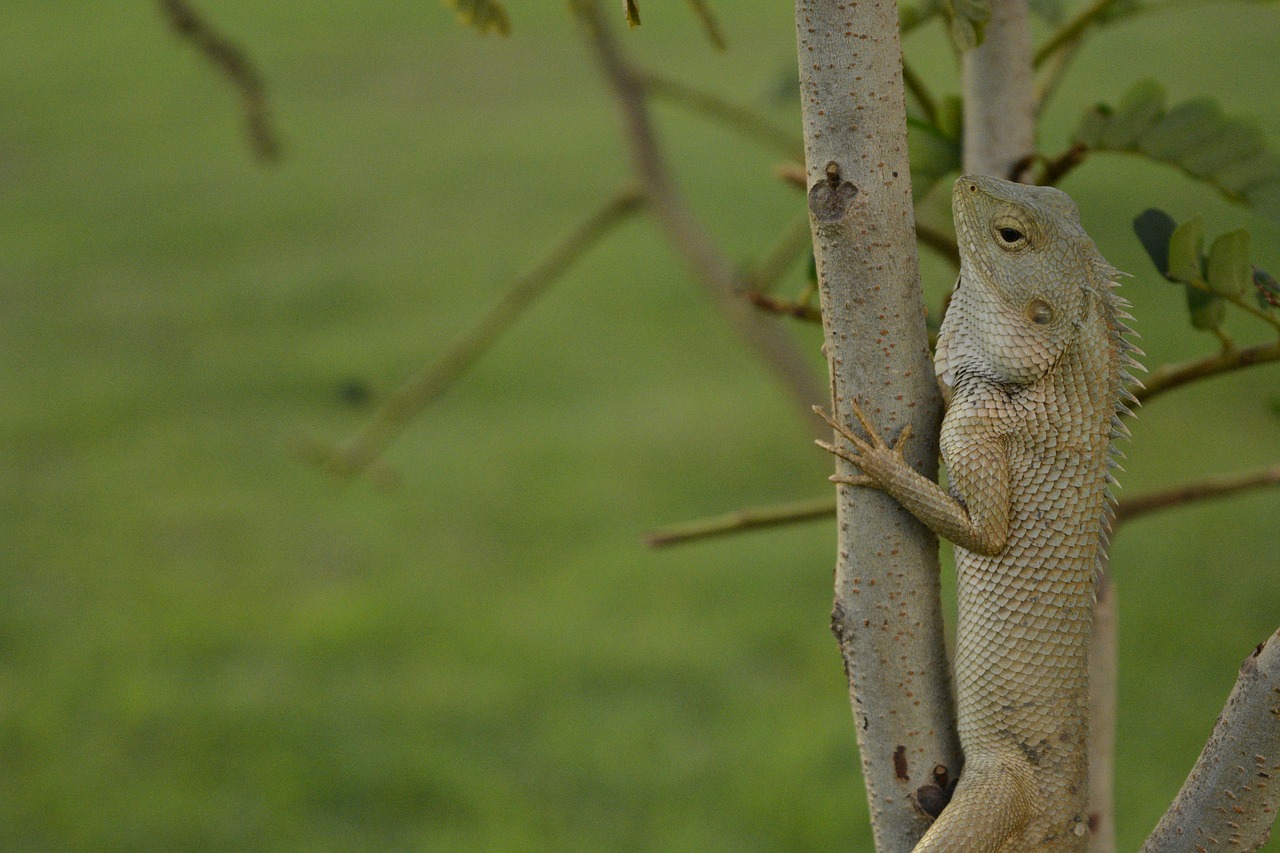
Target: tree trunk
<point x="887" y="615"/>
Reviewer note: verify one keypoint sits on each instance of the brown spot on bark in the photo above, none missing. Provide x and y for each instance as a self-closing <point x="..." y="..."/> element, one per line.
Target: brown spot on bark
<point x="900" y="763"/>
<point x="830" y="199"/>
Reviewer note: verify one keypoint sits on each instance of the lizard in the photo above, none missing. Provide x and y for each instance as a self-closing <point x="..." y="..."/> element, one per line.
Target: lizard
<point x="1034" y="365"/>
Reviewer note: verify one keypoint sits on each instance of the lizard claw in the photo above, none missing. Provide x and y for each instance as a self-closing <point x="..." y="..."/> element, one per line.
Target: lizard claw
<point x="858" y="480"/>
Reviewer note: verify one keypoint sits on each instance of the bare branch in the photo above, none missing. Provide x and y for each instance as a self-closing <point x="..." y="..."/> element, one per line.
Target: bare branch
<point x="940" y="243"/>
<point x="887" y="614"/>
<point x="235" y="65"/>
<point x="773" y="265"/>
<point x="799" y="310"/>
<point x="791" y="367"/>
<point x="751" y="518"/>
<point x="1171" y="376"/>
<point x="1209" y="487"/>
<point x="1229" y="801"/>
<point x="399" y="410"/>
<point x="748" y="123"/>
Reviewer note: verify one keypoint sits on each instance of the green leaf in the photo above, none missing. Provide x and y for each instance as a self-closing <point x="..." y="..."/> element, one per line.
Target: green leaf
<point x="968" y="20"/>
<point x="1093" y="125"/>
<point x="1238" y="142"/>
<point x="1138" y="112"/>
<point x="1230" y="272"/>
<point x="1182" y="130"/>
<point x="632" y="13"/>
<point x="1154" y="229"/>
<point x="1230" y="154"/>
<point x="486" y="16"/>
<point x="1207" y="310"/>
<point x="1265" y="198"/>
<point x="1185" y="250"/>
<point x="1239" y="177"/>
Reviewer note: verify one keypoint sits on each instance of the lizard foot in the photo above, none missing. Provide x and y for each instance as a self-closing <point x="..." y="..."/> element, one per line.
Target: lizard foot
<point x="873" y="455"/>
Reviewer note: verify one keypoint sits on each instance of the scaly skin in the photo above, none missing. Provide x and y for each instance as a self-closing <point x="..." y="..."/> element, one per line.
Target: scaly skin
<point x="1033" y="363"/>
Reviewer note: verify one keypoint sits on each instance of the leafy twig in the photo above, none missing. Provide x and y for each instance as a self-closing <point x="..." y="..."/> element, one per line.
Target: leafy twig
<point x="1210" y="487"/>
<point x="752" y="518"/>
<point x="416" y="394"/>
<point x="235" y="65"/>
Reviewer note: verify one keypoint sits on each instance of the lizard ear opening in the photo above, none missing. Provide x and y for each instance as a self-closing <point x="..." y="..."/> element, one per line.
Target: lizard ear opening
<point x="1039" y="312"/>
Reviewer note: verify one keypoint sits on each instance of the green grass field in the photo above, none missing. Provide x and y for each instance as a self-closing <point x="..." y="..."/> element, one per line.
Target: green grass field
<point x="208" y="645"/>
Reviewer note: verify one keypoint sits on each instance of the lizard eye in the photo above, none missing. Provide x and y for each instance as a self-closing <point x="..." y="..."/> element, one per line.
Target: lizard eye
<point x="1010" y="234"/>
<point x="1039" y="312"/>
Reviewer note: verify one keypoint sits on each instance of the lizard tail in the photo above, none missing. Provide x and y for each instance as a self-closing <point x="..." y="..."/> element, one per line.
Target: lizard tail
<point x="990" y="807"/>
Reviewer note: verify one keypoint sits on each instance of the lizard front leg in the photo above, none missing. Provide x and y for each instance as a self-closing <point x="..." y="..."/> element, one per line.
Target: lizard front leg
<point x="981" y="526"/>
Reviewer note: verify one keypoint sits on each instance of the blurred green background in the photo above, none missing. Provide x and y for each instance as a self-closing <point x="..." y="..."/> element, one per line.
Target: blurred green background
<point x="208" y="645"/>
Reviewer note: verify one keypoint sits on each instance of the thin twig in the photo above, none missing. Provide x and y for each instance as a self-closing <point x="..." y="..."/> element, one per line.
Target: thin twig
<point x="748" y="123"/>
<point x="928" y="104"/>
<point x="790" y="365"/>
<point x="939" y="242"/>
<point x="1072" y="31"/>
<point x="420" y="391"/>
<point x="1171" y="376"/>
<point x="751" y="518"/>
<point x="235" y="65"/>
<point x="799" y="310"/>
<point x="1209" y="487"/>
<point x="773" y="265"/>
<point x="709" y="23"/>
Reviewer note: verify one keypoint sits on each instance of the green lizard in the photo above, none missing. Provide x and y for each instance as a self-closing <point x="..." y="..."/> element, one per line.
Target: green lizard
<point x="1034" y="366"/>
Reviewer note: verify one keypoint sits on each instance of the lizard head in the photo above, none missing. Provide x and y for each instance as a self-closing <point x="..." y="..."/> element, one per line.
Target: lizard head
<point x="1028" y="275"/>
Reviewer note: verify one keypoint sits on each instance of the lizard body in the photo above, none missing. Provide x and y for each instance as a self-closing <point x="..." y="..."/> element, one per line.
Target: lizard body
<point x="1033" y="364"/>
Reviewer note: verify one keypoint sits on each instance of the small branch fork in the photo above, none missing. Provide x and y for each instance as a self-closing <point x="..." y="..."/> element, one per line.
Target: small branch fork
<point x="234" y="64"/>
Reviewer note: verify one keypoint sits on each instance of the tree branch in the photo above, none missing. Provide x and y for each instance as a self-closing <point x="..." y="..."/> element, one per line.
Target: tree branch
<point x="791" y="367"/>
<point x="751" y="518"/>
<point x="999" y="102"/>
<point x="1210" y="487"/>
<point x="1230" y="799"/>
<point x="1103" y="684"/>
<point x="234" y="64"/>
<point x="887" y="614"/>
<point x="1170" y="376"/>
<point x="399" y="410"/>
<point x="747" y="122"/>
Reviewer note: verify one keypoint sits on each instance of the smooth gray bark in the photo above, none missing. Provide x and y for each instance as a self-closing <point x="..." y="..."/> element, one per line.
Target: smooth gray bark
<point x="999" y="97"/>
<point x="1229" y="801"/>
<point x="886" y="614"/>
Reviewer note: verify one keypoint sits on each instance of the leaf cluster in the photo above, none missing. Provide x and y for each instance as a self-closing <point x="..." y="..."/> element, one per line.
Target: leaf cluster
<point x="1212" y="279"/>
<point x="1229" y="153"/>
